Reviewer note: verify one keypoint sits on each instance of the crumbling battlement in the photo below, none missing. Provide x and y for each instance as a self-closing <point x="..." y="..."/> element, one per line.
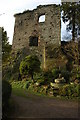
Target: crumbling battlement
<point x="35" y="35"/>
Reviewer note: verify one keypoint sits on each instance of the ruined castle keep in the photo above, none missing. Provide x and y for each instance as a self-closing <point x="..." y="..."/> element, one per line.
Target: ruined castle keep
<point x="36" y="36"/>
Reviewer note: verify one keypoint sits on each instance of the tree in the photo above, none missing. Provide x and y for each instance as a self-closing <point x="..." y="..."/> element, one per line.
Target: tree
<point x="30" y="65"/>
<point x="71" y="14"/>
<point x="6" y="47"/>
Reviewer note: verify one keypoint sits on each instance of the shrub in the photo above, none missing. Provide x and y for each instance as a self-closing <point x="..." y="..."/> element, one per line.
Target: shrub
<point x="66" y="75"/>
<point x="55" y="73"/>
<point x="38" y="76"/>
<point x="27" y="84"/>
<point x="21" y="84"/>
<point x="30" y="65"/>
<point x="69" y="65"/>
<point x="77" y="90"/>
<point x="56" y="92"/>
<point x="47" y="76"/>
<point x="70" y="90"/>
<point x="78" y="76"/>
<point x="11" y="67"/>
<point x="6" y="73"/>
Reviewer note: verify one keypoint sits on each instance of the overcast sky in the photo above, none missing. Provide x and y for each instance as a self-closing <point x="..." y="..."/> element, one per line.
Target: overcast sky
<point x="10" y="7"/>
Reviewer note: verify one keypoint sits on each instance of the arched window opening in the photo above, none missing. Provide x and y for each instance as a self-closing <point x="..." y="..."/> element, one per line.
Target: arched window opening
<point x="41" y="18"/>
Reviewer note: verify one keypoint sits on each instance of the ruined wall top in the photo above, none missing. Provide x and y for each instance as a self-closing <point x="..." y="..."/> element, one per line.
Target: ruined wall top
<point x="38" y="7"/>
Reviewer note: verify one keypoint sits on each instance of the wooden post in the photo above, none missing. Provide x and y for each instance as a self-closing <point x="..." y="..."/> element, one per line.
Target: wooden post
<point x="44" y="57"/>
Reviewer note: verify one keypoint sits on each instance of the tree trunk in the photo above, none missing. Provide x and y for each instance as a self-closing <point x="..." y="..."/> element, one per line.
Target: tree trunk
<point x="73" y="32"/>
<point x="73" y="26"/>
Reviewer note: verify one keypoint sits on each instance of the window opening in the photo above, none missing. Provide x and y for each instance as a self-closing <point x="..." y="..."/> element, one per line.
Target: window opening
<point x="33" y="41"/>
<point x="42" y="18"/>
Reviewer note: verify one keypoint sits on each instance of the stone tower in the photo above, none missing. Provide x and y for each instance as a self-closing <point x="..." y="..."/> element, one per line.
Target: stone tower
<point x="36" y="36"/>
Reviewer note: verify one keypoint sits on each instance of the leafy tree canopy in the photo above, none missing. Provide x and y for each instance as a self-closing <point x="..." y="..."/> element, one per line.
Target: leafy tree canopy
<point x="6" y="47"/>
<point x="71" y="14"/>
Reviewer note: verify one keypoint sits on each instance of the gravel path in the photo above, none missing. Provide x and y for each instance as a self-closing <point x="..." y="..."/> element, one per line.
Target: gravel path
<point x="43" y="107"/>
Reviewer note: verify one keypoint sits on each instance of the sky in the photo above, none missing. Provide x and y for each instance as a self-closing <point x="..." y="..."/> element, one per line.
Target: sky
<point x="10" y="7"/>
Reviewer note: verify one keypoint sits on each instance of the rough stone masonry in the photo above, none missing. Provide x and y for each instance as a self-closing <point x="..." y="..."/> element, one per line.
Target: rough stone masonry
<point x="36" y="36"/>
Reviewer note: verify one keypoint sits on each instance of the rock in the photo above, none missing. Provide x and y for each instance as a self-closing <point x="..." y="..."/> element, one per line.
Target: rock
<point x="60" y="80"/>
<point x="45" y="87"/>
<point x="37" y="84"/>
<point x="52" y="84"/>
<point x="50" y="93"/>
<point x="76" y="81"/>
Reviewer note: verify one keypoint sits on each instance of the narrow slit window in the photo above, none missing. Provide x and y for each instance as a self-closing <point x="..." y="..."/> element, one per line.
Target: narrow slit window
<point x="42" y="18"/>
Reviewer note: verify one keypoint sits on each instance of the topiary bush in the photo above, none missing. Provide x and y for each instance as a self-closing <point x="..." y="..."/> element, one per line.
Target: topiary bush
<point x="30" y="65"/>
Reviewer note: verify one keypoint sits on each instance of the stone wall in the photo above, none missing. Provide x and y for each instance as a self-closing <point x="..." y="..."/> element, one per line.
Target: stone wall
<point x="48" y="32"/>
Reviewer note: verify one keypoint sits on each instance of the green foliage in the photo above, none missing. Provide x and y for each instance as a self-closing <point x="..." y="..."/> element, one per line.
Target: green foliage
<point x="6" y="47"/>
<point x="6" y="73"/>
<point x="11" y="67"/>
<point x="70" y="90"/>
<point x="21" y="84"/>
<point x="77" y="72"/>
<point x="56" y="92"/>
<point x="47" y="77"/>
<point x="30" y="65"/>
<point x="66" y="90"/>
<point x="78" y="76"/>
<point x="71" y="13"/>
<point x="66" y="74"/>
<point x="55" y="73"/>
<point x="38" y="76"/>
<point x="69" y="65"/>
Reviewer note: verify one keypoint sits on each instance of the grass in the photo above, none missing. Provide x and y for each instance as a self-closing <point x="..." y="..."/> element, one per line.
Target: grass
<point x="25" y="93"/>
<point x="19" y="88"/>
<point x="29" y="94"/>
<point x="19" y="92"/>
